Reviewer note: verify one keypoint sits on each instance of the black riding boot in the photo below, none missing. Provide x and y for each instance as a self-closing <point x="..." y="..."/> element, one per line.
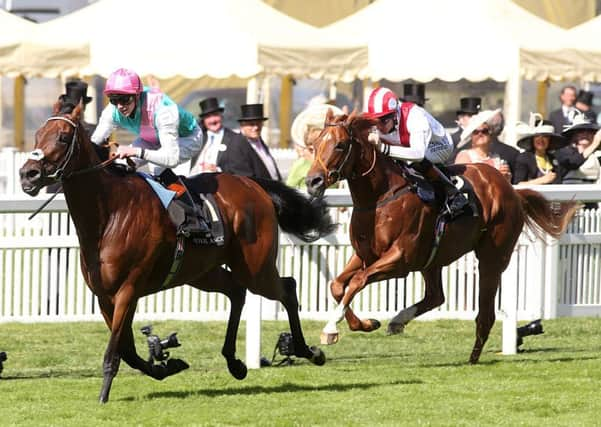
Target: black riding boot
<point x="455" y="201"/>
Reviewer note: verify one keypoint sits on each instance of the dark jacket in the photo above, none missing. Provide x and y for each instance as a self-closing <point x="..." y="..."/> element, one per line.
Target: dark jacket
<point x="558" y="120"/>
<point x="526" y="168"/>
<point x="239" y="158"/>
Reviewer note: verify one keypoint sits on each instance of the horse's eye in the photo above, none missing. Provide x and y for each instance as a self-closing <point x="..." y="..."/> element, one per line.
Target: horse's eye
<point x="65" y="138"/>
<point x="340" y="146"/>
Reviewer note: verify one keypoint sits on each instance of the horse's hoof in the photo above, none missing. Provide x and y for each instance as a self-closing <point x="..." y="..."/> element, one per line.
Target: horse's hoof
<point x="395" y="328"/>
<point x="237" y="368"/>
<point x="375" y="324"/>
<point x="329" y="338"/>
<point x="319" y="357"/>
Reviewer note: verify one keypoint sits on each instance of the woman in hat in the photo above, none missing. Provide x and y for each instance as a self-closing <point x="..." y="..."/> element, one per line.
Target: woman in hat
<point x="537" y="164"/>
<point x="577" y="161"/>
<point x="479" y="133"/>
<point x="306" y="127"/>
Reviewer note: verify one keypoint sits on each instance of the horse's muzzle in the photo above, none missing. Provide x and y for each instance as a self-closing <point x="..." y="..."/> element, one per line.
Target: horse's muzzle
<point x="31" y="178"/>
<point x="316" y="184"/>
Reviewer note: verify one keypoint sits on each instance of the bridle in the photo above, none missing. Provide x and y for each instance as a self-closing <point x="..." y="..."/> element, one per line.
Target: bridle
<point x="57" y="175"/>
<point x="336" y="174"/>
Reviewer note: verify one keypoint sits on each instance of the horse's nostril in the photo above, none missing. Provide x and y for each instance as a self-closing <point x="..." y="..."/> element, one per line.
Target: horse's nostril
<point x="316" y="182"/>
<point x="31" y="174"/>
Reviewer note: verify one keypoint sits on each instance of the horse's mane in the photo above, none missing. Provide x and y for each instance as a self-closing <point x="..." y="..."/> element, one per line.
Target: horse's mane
<point x="356" y="123"/>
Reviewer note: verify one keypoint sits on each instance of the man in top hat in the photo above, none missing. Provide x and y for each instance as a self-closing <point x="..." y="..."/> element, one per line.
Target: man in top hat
<point x="468" y="107"/>
<point x="584" y="103"/>
<point x="250" y="156"/>
<point x="76" y="91"/>
<point x="217" y="139"/>
<point x="415" y="93"/>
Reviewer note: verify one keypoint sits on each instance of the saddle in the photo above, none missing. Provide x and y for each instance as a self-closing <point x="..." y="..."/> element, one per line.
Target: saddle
<point x="193" y="209"/>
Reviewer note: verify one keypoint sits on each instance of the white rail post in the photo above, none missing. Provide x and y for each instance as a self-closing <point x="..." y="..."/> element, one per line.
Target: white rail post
<point x="509" y="298"/>
<point x="253" y="330"/>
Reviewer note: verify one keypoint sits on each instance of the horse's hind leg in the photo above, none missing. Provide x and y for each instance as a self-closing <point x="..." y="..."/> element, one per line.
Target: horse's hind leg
<point x="290" y="302"/>
<point x="494" y="253"/>
<point x="225" y="283"/>
<point x="433" y="297"/>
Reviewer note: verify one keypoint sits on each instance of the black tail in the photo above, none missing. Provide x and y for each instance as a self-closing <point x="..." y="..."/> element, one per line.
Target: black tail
<point x="306" y="218"/>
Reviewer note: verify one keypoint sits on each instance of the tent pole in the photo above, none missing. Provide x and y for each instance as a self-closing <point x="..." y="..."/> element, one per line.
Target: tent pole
<point x="285" y="110"/>
<point x="541" y="97"/>
<point x="19" y="109"/>
<point x="513" y="99"/>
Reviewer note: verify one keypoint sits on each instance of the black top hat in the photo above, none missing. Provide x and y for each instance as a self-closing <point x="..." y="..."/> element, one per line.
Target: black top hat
<point x="74" y="91"/>
<point x="251" y="112"/>
<point x="208" y="106"/>
<point x="585" y="97"/>
<point x="414" y="93"/>
<point x="470" y="105"/>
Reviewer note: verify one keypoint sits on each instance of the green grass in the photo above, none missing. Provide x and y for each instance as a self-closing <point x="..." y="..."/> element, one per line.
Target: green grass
<point x="53" y="377"/>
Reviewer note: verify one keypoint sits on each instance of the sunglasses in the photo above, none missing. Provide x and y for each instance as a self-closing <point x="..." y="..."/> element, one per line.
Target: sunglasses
<point x="121" y="99"/>
<point x="484" y="131"/>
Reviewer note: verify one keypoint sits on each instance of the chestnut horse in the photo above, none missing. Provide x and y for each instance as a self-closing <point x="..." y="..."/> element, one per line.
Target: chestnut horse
<point x="392" y="231"/>
<point x="127" y="242"/>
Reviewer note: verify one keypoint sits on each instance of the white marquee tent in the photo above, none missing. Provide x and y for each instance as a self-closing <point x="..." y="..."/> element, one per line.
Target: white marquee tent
<point x="203" y="38"/>
<point x="24" y="50"/>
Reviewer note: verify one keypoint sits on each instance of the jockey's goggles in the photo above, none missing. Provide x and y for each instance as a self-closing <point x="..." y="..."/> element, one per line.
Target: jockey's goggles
<point x="120" y="99"/>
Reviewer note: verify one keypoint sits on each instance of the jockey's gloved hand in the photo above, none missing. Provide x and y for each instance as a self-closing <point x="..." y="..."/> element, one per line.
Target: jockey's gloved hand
<point x="374" y="138"/>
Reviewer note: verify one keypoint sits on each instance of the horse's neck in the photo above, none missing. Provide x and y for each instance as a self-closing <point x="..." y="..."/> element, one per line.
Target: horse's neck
<point x="367" y="190"/>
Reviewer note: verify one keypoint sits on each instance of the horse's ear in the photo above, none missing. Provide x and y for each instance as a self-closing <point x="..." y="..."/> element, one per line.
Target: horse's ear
<point x="56" y="108"/>
<point x="77" y="111"/>
<point x="329" y="115"/>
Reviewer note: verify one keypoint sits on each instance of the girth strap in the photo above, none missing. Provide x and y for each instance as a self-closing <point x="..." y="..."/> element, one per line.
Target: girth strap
<point x="177" y="260"/>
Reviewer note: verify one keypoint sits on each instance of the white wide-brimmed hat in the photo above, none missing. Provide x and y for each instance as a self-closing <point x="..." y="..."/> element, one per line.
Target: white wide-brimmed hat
<point x="475" y="122"/>
<point x="538" y="127"/>
<point x="313" y="116"/>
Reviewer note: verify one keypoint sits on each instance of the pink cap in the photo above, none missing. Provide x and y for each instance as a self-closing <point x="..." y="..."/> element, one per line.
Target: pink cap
<point x="123" y="81"/>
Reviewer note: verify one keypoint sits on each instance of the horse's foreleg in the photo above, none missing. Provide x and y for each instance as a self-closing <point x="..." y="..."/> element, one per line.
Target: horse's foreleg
<point x="118" y="314"/>
<point x="337" y="288"/>
<point x="433" y="297"/>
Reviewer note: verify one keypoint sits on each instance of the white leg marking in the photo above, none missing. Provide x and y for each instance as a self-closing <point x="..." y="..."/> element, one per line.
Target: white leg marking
<point x="336" y="316"/>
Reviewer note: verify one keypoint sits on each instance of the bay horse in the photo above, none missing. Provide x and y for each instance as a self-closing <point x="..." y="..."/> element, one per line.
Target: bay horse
<point x="392" y="231"/>
<point x="127" y="241"/>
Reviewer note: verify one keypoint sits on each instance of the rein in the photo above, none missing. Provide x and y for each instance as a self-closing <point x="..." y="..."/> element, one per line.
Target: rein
<point x="38" y="155"/>
<point x="337" y="173"/>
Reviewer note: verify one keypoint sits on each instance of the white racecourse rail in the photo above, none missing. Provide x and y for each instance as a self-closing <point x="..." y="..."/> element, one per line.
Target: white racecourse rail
<point x="40" y="279"/>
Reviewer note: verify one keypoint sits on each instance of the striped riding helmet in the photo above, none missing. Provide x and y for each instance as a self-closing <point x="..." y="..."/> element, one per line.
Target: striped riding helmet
<point x="382" y="102"/>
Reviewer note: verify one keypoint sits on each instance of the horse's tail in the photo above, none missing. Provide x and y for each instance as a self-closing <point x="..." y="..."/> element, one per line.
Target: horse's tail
<point x="542" y="216"/>
<point x="306" y="218"/>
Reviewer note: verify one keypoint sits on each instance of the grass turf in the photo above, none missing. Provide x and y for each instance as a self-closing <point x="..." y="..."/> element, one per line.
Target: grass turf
<point x="54" y="373"/>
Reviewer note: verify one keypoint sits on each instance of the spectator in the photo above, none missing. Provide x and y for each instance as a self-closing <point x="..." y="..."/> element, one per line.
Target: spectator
<point x="564" y="115"/>
<point x="578" y="163"/>
<point x="217" y="139"/>
<point x="306" y="127"/>
<point x="506" y="153"/>
<point x="415" y="93"/>
<point x="537" y="164"/>
<point x="250" y="156"/>
<point x="479" y="134"/>
<point x="584" y="104"/>
<point x="468" y="107"/>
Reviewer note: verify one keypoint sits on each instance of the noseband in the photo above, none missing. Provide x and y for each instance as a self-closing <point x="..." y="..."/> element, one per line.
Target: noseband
<point x="38" y="154"/>
<point x="336" y="174"/>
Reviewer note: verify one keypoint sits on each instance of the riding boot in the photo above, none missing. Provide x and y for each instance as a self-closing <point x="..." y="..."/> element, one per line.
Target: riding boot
<point x="195" y="224"/>
<point x="455" y="200"/>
